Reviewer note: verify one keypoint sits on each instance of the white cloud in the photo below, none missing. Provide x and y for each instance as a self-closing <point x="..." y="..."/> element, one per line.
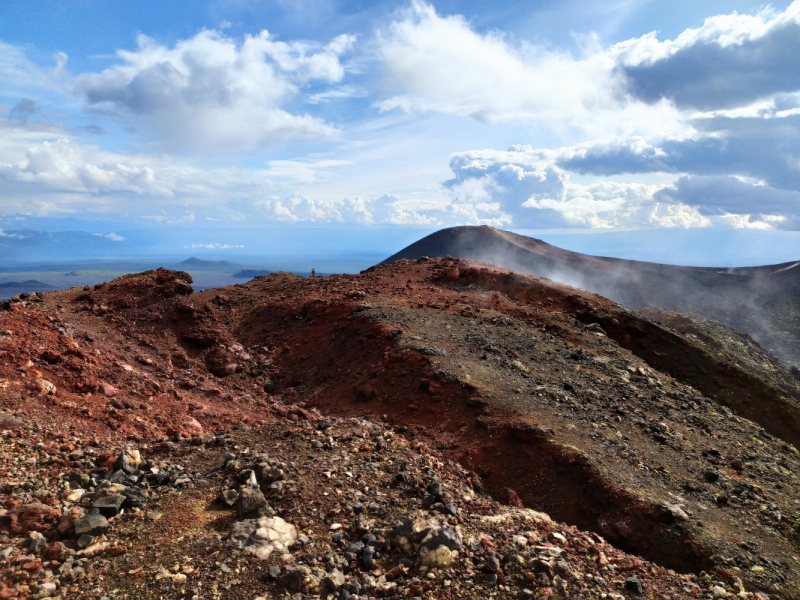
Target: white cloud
<point x="435" y="63"/>
<point x="748" y="222"/>
<point x="59" y="174"/>
<point x="21" y="75"/>
<point x="303" y="171"/>
<point x="711" y="117"/>
<point x="345" y="91"/>
<point x="730" y="61"/>
<point x="297" y="208"/>
<point x="526" y="187"/>
<point x="210" y="92"/>
<point x="613" y="205"/>
<point x="111" y="236"/>
<point x="641" y="86"/>
<point x="390" y="208"/>
<point x="215" y="246"/>
<point x="66" y="165"/>
<point x="386" y="209"/>
<point x="737" y="202"/>
<point x="163" y="218"/>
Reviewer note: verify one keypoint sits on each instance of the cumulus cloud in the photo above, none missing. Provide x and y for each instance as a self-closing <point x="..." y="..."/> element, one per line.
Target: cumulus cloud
<point x="730" y="61"/>
<point x="737" y="202"/>
<point x="297" y="208"/>
<point x="436" y="63"/>
<point x="60" y="174"/>
<point x="712" y="116"/>
<point x="386" y="209"/>
<point x="641" y="86"/>
<point x="390" y="208"/>
<point x="528" y="188"/>
<point x="763" y="147"/>
<point x="209" y="91"/>
<point x="69" y="166"/>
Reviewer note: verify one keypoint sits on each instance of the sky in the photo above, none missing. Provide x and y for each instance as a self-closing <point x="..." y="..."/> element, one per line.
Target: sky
<point x="665" y="120"/>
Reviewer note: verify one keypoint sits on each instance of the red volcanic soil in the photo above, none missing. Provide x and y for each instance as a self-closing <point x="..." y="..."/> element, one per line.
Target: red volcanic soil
<point x="550" y="397"/>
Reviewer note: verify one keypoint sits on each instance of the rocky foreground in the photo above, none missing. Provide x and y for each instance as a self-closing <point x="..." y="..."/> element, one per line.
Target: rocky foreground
<point x="398" y="434"/>
<point x="307" y="507"/>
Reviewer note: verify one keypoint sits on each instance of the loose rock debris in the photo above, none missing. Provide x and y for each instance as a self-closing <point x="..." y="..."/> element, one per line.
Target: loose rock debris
<point x="343" y="524"/>
<point x="161" y="443"/>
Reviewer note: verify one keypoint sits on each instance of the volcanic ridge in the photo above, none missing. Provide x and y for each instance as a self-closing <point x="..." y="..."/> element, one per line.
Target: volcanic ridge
<point x="435" y="428"/>
<point x="758" y="301"/>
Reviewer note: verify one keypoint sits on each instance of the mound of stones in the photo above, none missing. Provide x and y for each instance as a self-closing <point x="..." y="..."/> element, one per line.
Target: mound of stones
<point x="55" y="526"/>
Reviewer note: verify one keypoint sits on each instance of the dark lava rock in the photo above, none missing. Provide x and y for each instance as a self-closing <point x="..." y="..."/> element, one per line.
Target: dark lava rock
<point x="367" y="560"/>
<point x="542" y="566"/>
<point x="633" y="585"/>
<point x="110" y="505"/>
<point x="435" y="489"/>
<point x="250" y="499"/>
<point x="492" y="563"/>
<point x="134" y="498"/>
<point x="93" y="524"/>
<point x="292" y="578"/>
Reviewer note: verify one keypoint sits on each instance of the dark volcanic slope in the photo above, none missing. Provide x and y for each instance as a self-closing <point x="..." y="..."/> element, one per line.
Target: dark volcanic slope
<point x="552" y="397"/>
<point x="763" y="302"/>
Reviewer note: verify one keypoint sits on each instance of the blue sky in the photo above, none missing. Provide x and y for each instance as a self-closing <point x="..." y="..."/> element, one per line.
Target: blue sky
<point x="677" y="118"/>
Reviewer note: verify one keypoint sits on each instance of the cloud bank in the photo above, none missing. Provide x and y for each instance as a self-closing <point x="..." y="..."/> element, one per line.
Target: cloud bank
<point x="699" y="131"/>
<point x="723" y="100"/>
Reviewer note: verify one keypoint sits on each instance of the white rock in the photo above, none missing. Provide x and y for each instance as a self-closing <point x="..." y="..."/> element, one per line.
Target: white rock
<point x="263" y="536"/>
<point x="441" y="556"/>
<point x="519" y="540"/>
<point x="557" y="538"/>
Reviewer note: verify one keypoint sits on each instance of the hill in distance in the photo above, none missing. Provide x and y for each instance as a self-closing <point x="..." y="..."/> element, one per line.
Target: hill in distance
<point x="759" y="301"/>
<point x="199" y="264"/>
<point x="29" y="285"/>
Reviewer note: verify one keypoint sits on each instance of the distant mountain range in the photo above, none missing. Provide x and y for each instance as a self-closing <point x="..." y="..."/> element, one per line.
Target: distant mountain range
<point x="30" y="285"/>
